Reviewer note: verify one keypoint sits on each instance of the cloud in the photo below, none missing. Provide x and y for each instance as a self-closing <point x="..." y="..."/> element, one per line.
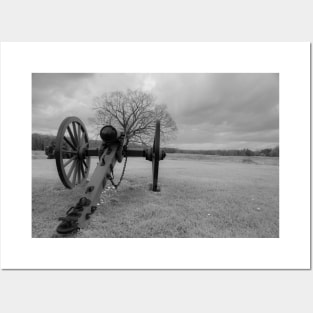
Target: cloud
<point x="211" y="110"/>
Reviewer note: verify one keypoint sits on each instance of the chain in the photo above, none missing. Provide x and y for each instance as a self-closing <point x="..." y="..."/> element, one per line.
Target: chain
<point x="123" y="171"/>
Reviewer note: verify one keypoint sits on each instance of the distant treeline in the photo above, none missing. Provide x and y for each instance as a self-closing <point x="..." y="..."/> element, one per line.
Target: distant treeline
<point x="39" y="142"/>
<point x="274" y="152"/>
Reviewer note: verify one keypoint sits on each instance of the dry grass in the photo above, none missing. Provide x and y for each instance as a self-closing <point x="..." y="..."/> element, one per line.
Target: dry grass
<point x="201" y="196"/>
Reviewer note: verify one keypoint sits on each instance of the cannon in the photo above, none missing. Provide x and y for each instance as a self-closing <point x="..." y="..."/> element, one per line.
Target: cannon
<point x="72" y="155"/>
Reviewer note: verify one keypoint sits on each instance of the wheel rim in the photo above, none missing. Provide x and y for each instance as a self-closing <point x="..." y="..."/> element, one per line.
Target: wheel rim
<point x="156" y="156"/>
<point x="70" y="152"/>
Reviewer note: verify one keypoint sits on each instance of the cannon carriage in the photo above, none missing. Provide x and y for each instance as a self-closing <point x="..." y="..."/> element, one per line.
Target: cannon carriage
<point x="73" y="154"/>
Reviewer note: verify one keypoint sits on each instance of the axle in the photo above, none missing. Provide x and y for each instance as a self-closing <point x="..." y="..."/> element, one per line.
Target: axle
<point x="129" y="152"/>
<point x="145" y="153"/>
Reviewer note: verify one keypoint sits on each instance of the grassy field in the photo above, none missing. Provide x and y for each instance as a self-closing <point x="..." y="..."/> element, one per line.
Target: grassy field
<point x="201" y="196"/>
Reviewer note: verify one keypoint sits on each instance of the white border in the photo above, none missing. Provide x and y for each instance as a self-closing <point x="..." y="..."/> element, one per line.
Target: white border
<point x="290" y="251"/>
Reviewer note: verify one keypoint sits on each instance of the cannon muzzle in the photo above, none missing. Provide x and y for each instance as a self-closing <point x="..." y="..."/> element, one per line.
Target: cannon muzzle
<point x="109" y="134"/>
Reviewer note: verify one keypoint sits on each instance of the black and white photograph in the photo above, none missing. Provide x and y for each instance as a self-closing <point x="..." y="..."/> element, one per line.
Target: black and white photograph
<point x="155" y="155"/>
<point x="169" y="156"/>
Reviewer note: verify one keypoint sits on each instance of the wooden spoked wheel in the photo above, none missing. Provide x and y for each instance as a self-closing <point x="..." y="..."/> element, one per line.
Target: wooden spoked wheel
<point x="156" y="157"/>
<point x="70" y="152"/>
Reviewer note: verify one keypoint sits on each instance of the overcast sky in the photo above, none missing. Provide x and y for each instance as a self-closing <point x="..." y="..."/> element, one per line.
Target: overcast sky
<point x="212" y="111"/>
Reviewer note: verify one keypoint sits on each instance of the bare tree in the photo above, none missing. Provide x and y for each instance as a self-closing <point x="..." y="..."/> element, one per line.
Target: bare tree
<point x="135" y="112"/>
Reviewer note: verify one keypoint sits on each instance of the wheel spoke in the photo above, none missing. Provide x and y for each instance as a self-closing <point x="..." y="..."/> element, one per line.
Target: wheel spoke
<point x="69" y="143"/>
<point x="82" y="139"/>
<point x="75" y="134"/>
<point x="71" y="170"/>
<point x="84" y="162"/>
<point x="82" y="169"/>
<point x="69" y="161"/>
<point x="78" y="171"/>
<point x="75" y="173"/>
<point x="72" y="137"/>
<point x="79" y="134"/>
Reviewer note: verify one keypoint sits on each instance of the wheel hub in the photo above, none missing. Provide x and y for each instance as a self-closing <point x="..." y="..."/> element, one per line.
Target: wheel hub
<point x="82" y="152"/>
